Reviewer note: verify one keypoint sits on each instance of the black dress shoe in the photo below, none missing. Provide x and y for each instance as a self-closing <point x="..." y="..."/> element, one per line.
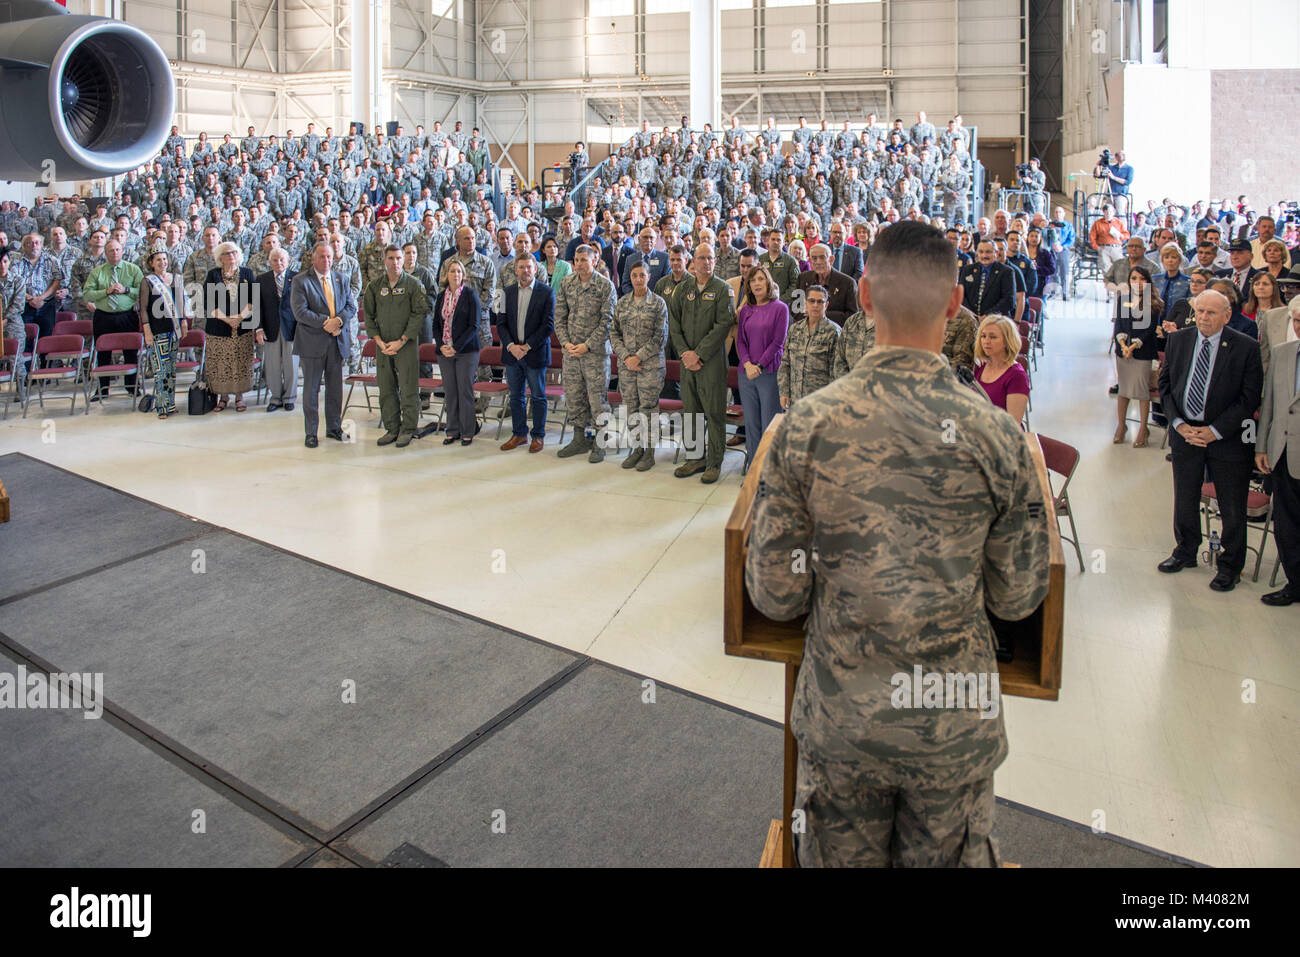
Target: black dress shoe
<point x="271" y="407"/>
<point x="1284" y="596"/>
<point x="1174" y="564"/>
<point x="465" y="442"/>
<point x="335" y="434"/>
<point x="450" y="439"/>
<point x="312" y="442"/>
<point x="288" y="407"/>
<point x="1225" y="581"/>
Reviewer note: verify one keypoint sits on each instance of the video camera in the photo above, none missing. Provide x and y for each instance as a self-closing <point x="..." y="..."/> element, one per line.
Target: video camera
<point x="1104" y="159"/>
<point x="1022" y="170"/>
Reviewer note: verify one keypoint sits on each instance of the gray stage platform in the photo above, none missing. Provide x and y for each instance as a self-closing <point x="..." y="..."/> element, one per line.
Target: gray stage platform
<point x="466" y="745"/>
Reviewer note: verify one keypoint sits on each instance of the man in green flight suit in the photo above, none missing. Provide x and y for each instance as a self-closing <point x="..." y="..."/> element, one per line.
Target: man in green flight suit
<point x="395" y="309"/>
<point x="699" y="317"/>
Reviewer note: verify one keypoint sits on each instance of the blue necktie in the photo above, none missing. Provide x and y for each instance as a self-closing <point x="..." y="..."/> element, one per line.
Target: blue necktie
<point x="1200" y="379"/>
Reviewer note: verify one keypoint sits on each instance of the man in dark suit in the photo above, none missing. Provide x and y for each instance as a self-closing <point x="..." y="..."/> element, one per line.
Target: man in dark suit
<point x="279" y="364"/>
<point x="1241" y="273"/>
<point x="1278" y="455"/>
<point x="841" y="291"/>
<point x="844" y="258"/>
<point x="526" y="350"/>
<point x="615" y="253"/>
<point x="988" y="287"/>
<point x="1210" y="387"/>
<point x="656" y="262"/>
<point x="323" y="304"/>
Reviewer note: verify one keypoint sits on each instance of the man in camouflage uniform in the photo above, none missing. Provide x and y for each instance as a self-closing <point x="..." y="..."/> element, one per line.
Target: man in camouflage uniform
<point x="13" y="299"/>
<point x="348" y="267"/>
<point x="371" y="256"/>
<point x="638" y="334"/>
<point x="959" y="339"/>
<point x="894" y="507"/>
<point x="808" y="361"/>
<point x="781" y="265"/>
<point x="584" y="307"/>
<point x="856" y="339"/>
<point x="482" y="277"/>
<point x="954" y="183"/>
<point x="700" y="314"/>
<point x="81" y="270"/>
<point x="424" y="275"/>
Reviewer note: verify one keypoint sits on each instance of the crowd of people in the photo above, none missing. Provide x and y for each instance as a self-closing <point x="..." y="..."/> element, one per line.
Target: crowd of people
<point x="687" y="251"/>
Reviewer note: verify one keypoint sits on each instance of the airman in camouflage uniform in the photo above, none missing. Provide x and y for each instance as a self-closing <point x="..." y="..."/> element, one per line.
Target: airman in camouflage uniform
<point x="782" y="266"/>
<point x="584" y="308"/>
<point x="348" y="267"/>
<point x="371" y="256"/>
<point x="78" y="275"/>
<point x="894" y="507"/>
<point x="808" y="361"/>
<point x="13" y="299"/>
<point x="959" y="339"/>
<point x="639" y="332"/>
<point x="857" y="337"/>
<point x="954" y="183"/>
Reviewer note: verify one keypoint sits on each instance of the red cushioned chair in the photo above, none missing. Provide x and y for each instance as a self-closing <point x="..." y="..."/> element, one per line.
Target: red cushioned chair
<point x="673" y="373"/>
<point x="489" y="358"/>
<point x="85" y="328"/>
<point x="61" y="362"/>
<point x="735" y="413"/>
<point x="363" y="379"/>
<point x="1063" y="459"/>
<point x="12" y="369"/>
<point x="1258" y="505"/>
<point x="429" y="353"/>
<point x="195" y="343"/>
<point x="554" y="386"/>
<point x="1036" y="304"/>
<point x="119" y="342"/>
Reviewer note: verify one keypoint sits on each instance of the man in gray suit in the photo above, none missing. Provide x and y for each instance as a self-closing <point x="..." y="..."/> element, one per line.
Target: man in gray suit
<point x="1275" y="328"/>
<point x="1278" y="445"/>
<point x="323" y="304"/>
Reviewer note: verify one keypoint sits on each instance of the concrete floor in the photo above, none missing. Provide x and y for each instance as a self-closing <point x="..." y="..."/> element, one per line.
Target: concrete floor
<point x="1150" y="738"/>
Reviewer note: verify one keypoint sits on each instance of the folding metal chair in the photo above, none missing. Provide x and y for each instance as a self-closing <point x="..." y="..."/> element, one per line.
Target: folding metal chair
<point x="58" y="349"/>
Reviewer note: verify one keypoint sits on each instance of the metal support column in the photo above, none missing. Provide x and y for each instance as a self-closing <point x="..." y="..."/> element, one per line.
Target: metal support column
<point x="706" y="62"/>
<point x="367" y="58"/>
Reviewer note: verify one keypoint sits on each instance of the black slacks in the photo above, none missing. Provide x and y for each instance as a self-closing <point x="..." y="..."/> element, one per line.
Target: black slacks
<point x="1231" y="477"/>
<point x="1286" y="520"/>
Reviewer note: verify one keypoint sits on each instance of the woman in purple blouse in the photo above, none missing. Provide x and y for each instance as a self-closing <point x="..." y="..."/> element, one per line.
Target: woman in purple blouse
<point x="760" y="338"/>
<point x="1000" y="375"/>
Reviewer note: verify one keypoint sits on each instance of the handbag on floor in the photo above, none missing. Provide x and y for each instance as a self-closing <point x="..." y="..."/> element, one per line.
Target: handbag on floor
<point x="202" y="399"/>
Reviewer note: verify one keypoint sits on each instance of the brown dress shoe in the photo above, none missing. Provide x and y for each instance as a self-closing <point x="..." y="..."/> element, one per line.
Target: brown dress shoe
<point x="513" y="443"/>
<point x="536" y="445"/>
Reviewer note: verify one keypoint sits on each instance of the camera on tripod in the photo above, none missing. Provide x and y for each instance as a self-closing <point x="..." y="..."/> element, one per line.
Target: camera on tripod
<point x="1104" y="159"/>
<point x="1022" y="171"/>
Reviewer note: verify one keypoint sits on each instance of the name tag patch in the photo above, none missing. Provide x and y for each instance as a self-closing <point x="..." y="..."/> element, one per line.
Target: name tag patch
<point x="710" y="296"/>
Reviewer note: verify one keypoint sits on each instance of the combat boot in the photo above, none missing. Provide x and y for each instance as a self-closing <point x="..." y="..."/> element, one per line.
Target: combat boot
<point x="579" y="445"/>
<point x="689" y="467"/>
<point x="647" y="461"/>
<point x="633" y="457"/>
<point x="711" y="475"/>
<point x="597" y="453"/>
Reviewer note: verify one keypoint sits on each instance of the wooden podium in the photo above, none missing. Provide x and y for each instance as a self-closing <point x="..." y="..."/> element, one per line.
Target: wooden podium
<point x="1034" y="672"/>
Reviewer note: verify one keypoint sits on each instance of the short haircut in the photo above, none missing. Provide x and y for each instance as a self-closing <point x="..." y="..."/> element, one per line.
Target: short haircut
<point x="1206" y="274"/>
<point x="525" y="258"/>
<point x="816" y="287"/>
<point x="392" y="248"/>
<point x="677" y="249"/>
<point x="912" y="271"/>
<point x="749" y="251"/>
<point x="583" y="250"/>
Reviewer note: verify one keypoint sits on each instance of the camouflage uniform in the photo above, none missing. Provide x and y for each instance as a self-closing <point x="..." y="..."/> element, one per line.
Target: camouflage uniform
<point x="785" y="273"/>
<point x="428" y="249"/>
<point x="13" y="299"/>
<point x="700" y="319"/>
<point x="350" y="269"/>
<point x="959" y="339"/>
<point x="808" y="361"/>
<point x="954" y="183"/>
<point x="583" y="312"/>
<point x="856" y="339"/>
<point x="640" y="329"/>
<point x="371" y="259"/>
<point x="912" y="528"/>
<point x="728" y="262"/>
<point x="80" y="271"/>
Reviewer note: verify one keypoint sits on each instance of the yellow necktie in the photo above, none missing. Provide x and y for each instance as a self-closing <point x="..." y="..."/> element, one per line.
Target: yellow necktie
<point x="329" y="293"/>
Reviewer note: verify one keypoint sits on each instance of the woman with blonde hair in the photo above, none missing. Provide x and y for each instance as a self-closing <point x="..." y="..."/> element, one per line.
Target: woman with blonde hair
<point x="999" y="374"/>
<point x="799" y="253"/>
<point x="230" y="299"/>
<point x="762" y="322"/>
<point x="1276" y="258"/>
